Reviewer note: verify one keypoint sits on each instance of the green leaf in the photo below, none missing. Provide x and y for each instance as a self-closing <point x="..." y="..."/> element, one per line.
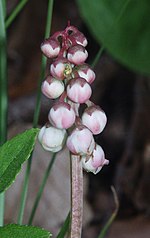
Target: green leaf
<point x="123" y="27"/>
<point x="13" y="154"/>
<point x="23" y="231"/>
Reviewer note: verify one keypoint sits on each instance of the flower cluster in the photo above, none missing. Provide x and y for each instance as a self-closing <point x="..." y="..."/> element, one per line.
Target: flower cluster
<point x="69" y="82"/>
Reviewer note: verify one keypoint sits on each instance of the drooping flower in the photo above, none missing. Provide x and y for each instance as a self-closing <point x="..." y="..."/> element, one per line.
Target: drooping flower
<point x="78" y="90"/>
<point x="95" y="161"/>
<point x="52" y="88"/>
<point x="81" y="141"/>
<point x="51" y="138"/>
<point x="95" y="119"/>
<point x="62" y="115"/>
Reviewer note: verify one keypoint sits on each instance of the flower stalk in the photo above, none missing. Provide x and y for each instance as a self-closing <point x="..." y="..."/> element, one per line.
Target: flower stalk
<point x="76" y="196"/>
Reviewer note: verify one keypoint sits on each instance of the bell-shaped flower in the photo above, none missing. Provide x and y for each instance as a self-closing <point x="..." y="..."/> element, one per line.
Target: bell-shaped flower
<point x="81" y="141"/>
<point x="50" y="48"/>
<point x="62" y="115"/>
<point x="95" y="161"/>
<point x="78" y="90"/>
<point x="61" y="68"/>
<point x="95" y="119"/>
<point x="84" y="71"/>
<point x="51" y="138"/>
<point x="77" y="54"/>
<point x="52" y="88"/>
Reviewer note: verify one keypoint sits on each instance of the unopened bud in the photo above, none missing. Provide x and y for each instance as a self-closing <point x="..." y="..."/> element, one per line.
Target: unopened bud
<point x="95" y="119"/>
<point x="50" y="48"/>
<point x="51" y="138"/>
<point x="96" y="161"/>
<point x="81" y="141"/>
<point x="52" y="88"/>
<point x="77" y="54"/>
<point x="62" y="115"/>
<point x="78" y="90"/>
<point x="86" y="72"/>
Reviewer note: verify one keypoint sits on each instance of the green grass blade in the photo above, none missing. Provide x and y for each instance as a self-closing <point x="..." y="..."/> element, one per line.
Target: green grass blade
<point x="113" y="216"/>
<point x="15" y="12"/>
<point x="41" y="189"/>
<point x="64" y="228"/>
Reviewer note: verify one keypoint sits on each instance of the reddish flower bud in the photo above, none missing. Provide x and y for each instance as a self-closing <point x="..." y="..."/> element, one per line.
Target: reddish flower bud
<point x="78" y="38"/>
<point x="50" y="48"/>
<point x="81" y="141"/>
<point x="51" y="138"/>
<point x="52" y="88"/>
<point x="95" y="119"/>
<point x="77" y="54"/>
<point x="78" y="90"/>
<point x="96" y="161"/>
<point x="61" y="68"/>
<point x="62" y="115"/>
<point x="84" y="71"/>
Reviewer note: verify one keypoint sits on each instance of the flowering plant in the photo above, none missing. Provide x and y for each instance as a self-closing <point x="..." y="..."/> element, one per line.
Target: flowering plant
<point x="69" y="86"/>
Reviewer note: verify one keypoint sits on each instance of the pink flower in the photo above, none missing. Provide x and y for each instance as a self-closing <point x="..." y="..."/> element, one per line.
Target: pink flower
<point x="52" y="88"/>
<point x="78" y="90"/>
<point x="50" y="48"/>
<point x="95" y="119"/>
<point x="95" y="161"/>
<point x="84" y="71"/>
<point x="62" y="115"/>
<point x="61" y="68"/>
<point x="51" y="138"/>
<point x="81" y="141"/>
<point x="77" y="54"/>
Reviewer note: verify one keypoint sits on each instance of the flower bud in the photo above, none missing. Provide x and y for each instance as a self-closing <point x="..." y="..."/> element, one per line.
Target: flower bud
<point x="80" y="38"/>
<point x="50" y="48"/>
<point x="87" y="73"/>
<point x="96" y="161"/>
<point x="60" y="68"/>
<point x="51" y="138"/>
<point x="62" y="115"/>
<point x="78" y="90"/>
<point x="77" y="54"/>
<point x="52" y="88"/>
<point x="95" y="119"/>
<point x="81" y="141"/>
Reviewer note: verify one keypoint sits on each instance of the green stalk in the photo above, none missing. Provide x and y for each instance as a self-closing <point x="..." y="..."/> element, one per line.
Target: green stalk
<point x="98" y="56"/>
<point x="3" y="93"/>
<point x="43" y="65"/>
<point x="64" y="228"/>
<point x="36" y="113"/>
<point x="15" y="12"/>
<point x="40" y="192"/>
<point x="24" y="193"/>
<point x="113" y="216"/>
<point x="4" y="7"/>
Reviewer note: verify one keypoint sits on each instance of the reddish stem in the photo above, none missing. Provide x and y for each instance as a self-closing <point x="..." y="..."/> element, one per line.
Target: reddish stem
<point x="76" y="196"/>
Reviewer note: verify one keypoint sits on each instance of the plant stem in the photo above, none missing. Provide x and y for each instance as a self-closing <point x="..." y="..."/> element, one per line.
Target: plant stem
<point x="113" y="216"/>
<point x="43" y="64"/>
<point x="36" y="113"/>
<point x="76" y="196"/>
<point x="64" y="228"/>
<point x="4" y="7"/>
<point x="97" y="57"/>
<point x="39" y="194"/>
<point x="15" y="12"/>
<point x="24" y="193"/>
<point x="3" y="92"/>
